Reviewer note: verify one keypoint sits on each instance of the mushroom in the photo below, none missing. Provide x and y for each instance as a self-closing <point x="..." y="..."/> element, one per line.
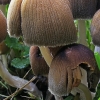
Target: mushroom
<point x="3" y="27"/>
<point x="83" y="9"/>
<point x="4" y="2"/>
<point x="38" y="64"/>
<point x="65" y="70"/>
<point x="14" y="18"/>
<point x="95" y="28"/>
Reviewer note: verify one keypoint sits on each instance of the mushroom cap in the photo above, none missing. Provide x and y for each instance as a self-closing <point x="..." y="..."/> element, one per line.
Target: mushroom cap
<point x="95" y="28"/>
<point x="98" y="4"/>
<point x="4" y="2"/>
<point x="47" y="23"/>
<point x="66" y="61"/>
<point x="38" y="64"/>
<point x="14" y="18"/>
<point x="83" y="9"/>
<point x="3" y="26"/>
<point x="4" y="48"/>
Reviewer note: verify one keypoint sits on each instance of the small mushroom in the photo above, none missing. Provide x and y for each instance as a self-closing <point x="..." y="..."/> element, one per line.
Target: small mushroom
<point x="95" y="28"/>
<point x="4" y="2"/>
<point x="14" y="18"/>
<point x="38" y="64"/>
<point x="83" y="9"/>
<point x="65" y="70"/>
<point x="98" y="5"/>
<point x="3" y="27"/>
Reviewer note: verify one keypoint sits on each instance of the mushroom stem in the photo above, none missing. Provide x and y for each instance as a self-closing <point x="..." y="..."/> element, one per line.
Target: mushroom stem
<point x="82" y="40"/>
<point x="2" y="7"/>
<point x="17" y="82"/>
<point x="46" y="54"/>
<point x="84" y="92"/>
<point x="4" y="60"/>
<point x="82" y="32"/>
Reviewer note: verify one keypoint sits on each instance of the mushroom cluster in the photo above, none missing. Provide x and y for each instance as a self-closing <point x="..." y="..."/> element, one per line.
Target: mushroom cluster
<point x="47" y="26"/>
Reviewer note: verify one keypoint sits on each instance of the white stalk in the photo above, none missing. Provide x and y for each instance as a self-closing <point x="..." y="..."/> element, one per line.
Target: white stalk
<point x="46" y="54"/>
<point x="17" y="82"/>
<point x="2" y="7"/>
<point x="82" y="40"/>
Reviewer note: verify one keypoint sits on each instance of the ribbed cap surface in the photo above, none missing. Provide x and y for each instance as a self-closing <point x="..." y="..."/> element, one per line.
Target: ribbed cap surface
<point x="47" y="22"/>
<point x="83" y="9"/>
<point x="66" y="60"/>
<point x="38" y="64"/>
<point x="95" y="28"/>
<point x="14" y="18"/>
<point x="3" y="27"/>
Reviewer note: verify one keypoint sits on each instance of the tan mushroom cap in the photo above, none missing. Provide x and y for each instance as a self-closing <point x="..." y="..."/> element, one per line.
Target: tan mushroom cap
<point x="83" y="9"/>
<point x="47" y="23"/>
<point x="14" y="18"/>
<point x="65" y="68"/>
<point x="95" y="28"/>
<point x="3" y="27"/>
<point x="38" y="64"/>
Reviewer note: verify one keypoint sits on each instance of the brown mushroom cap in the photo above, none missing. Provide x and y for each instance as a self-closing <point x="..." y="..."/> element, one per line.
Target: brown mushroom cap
<point x="83" y="9"/>
<point x="66" y="61"/>
<point x="47" y="22"/>
<point x="14" y="18"/>
<point x="3" y="48"/>
<point x="95" y="28"/>
<point x="3" y="27"/>
<point x="38" y="64"/>
<point x="98" y="4"/>
<point x="4" y="2"/>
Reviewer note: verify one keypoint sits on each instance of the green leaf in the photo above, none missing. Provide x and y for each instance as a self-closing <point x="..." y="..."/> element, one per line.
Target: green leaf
<point x="20" y="63"/>
<point x="25" y="51"/>
<point x="97" y="57"/>
<point x="97" y="95"/>
<point x="13" y="43"/>
<point x="71" y="97"/>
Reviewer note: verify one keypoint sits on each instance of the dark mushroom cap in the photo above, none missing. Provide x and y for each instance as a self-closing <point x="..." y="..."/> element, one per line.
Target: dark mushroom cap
<point x="4" y="49"/>
<point x="98" y="5"/>
<point x="14" y="18"/>
<point x="38" y="64"/>
<point x="83" y="9"/>
<point x="95" y="28"/>
<point x="3" y="27"/>
<point x="4" y="2"/>
<point x="66" y="61"/>
<point x="47" y="23"/>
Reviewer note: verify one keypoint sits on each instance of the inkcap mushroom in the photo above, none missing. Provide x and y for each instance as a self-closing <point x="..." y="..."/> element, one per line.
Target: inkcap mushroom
<point x="65" y="73"/>
<point x="38" y="64"/>
<point x="14" y="18"/>
<point x="83" y="9"/>
<point x="95" y="28"/>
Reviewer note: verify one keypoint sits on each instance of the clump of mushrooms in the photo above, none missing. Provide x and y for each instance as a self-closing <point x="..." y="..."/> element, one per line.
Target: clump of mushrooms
<point x="47" y="23"/>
